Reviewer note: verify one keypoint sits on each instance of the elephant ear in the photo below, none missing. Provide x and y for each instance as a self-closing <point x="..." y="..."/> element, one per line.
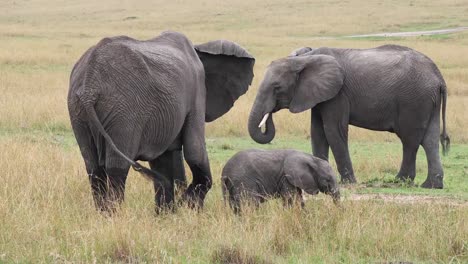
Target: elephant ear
<point x="300" y="173"/>
<point x="320" y="78"/>
<point x="228" y="74"/>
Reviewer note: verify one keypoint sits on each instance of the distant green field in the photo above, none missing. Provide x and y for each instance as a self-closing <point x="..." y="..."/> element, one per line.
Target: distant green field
<point x="46" y="209"/>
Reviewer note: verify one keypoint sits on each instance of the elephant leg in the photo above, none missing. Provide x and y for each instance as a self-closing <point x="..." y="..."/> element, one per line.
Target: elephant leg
<point x="336" y="131"/>
<point x="408" y="164"/>
<point x="201" y="183"/>
<point x="180" y="180"/>
<point x="293" y="198"/>
<point x="96" y="173"/>
<point x="197" y="158"/>
<point x="166" y="165"/>
<point x="320" y="146"/>
<point x="116" y="187"/>
<point x="235" y="204"/>
<point x="411" y="129"/>
<point x="430" y="143"/>
<point x="99" y="184"/>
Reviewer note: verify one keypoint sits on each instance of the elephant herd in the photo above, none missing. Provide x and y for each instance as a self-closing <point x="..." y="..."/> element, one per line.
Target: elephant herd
<point x="132" y="100"/>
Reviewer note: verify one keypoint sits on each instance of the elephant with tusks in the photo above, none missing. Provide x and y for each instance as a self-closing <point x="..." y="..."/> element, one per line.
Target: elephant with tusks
<point x="389" y="88"/>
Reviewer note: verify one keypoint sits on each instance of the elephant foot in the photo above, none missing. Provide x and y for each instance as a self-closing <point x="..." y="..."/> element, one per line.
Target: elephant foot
<point x="107" y="208"/>
<point x="405" y="177"/>
<point x="164" y="206"/>
<point x="348" y="180"/>
<point x="408" y="179"/>
<point x="194" y="196"/>
<point x="435" y="182"/>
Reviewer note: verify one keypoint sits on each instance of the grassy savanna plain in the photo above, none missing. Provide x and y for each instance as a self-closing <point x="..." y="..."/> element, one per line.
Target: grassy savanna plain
<point x="46" y="210"/>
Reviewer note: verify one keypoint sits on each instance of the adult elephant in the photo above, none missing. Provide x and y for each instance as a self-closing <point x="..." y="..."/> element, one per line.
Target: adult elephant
<point x="388" y="88"/>
<point x="148" y="100"/>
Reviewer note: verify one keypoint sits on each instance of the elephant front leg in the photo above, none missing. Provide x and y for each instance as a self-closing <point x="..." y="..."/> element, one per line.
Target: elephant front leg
<point x="336" y="132"/>
<point x="197" y="158"/>
<point x="202" y="181"/>
<point x="320" y="146"/>
<point x="293" y="199"/>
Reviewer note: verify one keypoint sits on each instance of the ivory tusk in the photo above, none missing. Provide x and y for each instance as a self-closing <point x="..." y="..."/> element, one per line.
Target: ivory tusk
<point x="265" y="117"/>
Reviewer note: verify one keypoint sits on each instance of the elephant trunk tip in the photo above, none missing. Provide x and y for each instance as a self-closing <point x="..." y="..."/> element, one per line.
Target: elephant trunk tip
<point x="336" y="197"/>
<point x="256" y="123"/>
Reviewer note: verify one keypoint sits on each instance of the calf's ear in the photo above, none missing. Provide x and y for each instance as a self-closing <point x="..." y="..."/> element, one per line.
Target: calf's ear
<point x="300" y="173"/>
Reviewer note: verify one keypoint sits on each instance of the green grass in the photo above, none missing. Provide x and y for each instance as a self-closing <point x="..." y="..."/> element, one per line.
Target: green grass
<point x="375" y="163"/>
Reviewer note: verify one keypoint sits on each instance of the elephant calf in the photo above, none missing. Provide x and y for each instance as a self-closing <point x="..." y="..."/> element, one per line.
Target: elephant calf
<point x="256" y="175"/>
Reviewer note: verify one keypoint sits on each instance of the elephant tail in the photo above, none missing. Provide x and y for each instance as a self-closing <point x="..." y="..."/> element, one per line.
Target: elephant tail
<point x="148" y="173"/>
<point x="444" y="138"/>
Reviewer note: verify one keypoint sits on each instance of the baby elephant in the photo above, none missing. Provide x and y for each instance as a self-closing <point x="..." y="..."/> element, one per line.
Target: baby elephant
<point x="256" y="175"/>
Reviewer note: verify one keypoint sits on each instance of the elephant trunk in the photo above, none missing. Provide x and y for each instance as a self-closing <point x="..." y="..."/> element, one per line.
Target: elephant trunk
<point x="257" y="120"/>
<point x="336" y="197"/>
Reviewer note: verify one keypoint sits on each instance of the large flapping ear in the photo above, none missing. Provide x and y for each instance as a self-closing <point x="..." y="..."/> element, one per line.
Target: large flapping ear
<point x="300" y="174"/>
<point x="228" y="74"/>
<point x="319" y="79"/>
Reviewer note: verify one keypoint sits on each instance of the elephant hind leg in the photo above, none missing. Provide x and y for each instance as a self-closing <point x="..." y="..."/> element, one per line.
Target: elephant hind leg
<point x="96" y="173"/>
<point x="435" y="174"/>
<point x="116" y="187"/>
<point x="408" y="164"/>
<point x="99" y="187"/>
<point x="168" y="164"/>
<point x="411" y="130"/>
<point x="235" y="204"/>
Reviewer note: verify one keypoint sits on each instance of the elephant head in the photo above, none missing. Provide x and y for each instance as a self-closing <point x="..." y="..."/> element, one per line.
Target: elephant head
<point x="311" y="175"/>
<point x="228" y="74"/>
<point x="296" y="83"/>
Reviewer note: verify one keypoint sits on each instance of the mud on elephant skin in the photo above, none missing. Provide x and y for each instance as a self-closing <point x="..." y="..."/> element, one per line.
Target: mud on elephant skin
<point x="256" y="175"/>
<point x="148" y="100"/>
<point x="389" y="88"/>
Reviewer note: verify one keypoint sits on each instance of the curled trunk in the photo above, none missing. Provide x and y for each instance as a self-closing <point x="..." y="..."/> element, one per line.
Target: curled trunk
<point x="255" y="131"/>
<point x="336" y="197"/>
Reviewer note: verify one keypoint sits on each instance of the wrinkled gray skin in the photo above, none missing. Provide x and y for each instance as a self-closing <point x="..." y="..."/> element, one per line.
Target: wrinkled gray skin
<point x="388" y="88"/>
<point x="256" y="175"/>
<point x="148" y="100"/>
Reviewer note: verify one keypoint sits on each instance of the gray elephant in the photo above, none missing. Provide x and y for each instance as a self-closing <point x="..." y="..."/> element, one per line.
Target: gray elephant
<point x="148" y="100"/>
<point x="255" y="175"/>
<point x="388" y="88"/>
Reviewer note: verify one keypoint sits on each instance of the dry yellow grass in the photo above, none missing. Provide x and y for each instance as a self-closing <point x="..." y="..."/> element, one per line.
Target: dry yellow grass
<point x="46" y="210"/>
<point x="48" y="216"/>
<point x="41" y="42"/>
